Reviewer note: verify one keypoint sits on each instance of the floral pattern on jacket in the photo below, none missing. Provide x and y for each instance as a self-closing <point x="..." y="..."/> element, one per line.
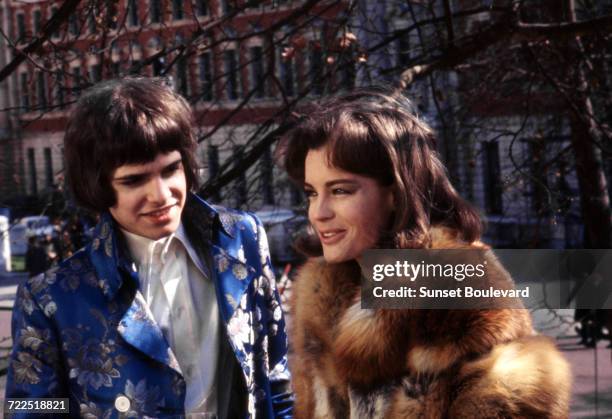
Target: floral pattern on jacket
<point x="84" y="330"/>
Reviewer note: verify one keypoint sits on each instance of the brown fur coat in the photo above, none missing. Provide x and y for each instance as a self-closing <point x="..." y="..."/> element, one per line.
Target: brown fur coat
<point x="360" y="363"/>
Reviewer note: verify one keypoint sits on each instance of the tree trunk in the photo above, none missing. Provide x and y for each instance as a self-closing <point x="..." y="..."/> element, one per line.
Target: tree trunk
<point x="594" y="199"/>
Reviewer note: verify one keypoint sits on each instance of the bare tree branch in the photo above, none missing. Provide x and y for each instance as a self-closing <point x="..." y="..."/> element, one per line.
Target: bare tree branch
<point x="68" y="7"/>
<point x="506" y="30"/>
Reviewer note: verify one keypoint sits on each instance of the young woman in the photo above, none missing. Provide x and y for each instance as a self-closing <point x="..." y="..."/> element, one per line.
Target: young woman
<point x="372" y="176"/>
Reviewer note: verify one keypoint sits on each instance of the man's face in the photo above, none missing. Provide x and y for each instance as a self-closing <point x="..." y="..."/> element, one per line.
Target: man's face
<point x="150" y="196"/>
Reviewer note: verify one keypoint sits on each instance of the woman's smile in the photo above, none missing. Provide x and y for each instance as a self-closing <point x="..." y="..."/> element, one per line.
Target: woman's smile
<point x="330" y="237"/>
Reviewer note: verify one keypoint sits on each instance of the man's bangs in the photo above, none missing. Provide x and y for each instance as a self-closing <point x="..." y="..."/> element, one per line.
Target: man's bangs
<point x="149" y="137"/>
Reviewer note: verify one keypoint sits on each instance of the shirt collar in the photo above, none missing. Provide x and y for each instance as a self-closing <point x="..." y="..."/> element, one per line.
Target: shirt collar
<point x="142" y="248"/>
<point x="109" y="254"/>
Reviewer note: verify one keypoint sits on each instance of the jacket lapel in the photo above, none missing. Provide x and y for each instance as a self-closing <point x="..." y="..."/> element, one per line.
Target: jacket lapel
<point x="233" y="277"/>
<point x="137" y="326"/>
<point x="139" y="329"/>
<point x="231" y="273"/>
<point x="224" y="233"/>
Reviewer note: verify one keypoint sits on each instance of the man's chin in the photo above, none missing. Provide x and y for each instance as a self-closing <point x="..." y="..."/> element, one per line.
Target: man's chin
<point x="159" y="232"/>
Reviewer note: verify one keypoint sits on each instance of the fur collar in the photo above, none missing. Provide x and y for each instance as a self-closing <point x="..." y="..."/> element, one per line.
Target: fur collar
<point x="374" y="346"/>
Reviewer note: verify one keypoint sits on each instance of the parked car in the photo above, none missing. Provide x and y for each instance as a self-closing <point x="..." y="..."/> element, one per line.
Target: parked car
<point x="26" y="227"/>
<point x="19" y="239"/>
<point x="5" y="251"/>
<point x="281" y="224"/>
<point x="37" y="225"/>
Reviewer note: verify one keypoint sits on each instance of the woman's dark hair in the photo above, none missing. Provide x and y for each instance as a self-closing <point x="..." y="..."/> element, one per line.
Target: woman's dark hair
<point x="124" y="121"/>
<point x="376" y="134"/>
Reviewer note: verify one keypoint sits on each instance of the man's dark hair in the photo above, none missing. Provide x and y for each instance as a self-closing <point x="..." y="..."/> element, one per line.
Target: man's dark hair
<point x="124" y="121"/>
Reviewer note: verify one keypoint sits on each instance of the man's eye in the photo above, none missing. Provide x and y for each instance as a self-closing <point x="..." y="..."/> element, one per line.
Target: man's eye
<point x="169" y="171"/>
<point x="341" y="191"/>
<point x="132" y="182"/>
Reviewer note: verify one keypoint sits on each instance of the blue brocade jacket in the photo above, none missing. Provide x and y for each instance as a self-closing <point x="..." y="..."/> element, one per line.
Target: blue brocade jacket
<point x="84" y="331"/>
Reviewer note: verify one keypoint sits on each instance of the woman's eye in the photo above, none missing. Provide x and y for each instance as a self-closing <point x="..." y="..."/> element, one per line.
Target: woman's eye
<point x="340" y="191"/>
<point x="310" y="193"/>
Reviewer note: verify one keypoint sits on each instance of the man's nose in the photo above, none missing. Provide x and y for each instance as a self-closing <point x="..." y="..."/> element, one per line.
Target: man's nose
<point x="159" y="191"/>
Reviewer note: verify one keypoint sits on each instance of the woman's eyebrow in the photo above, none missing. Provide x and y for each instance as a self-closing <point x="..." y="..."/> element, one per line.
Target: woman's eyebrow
<point x="340" y="181"/>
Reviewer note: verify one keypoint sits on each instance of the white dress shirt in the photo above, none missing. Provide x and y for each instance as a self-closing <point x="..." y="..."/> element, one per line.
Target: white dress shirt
<point x="177" y="287"/>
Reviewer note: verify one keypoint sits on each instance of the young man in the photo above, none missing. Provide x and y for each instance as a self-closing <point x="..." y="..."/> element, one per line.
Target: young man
<point x="172" y="309"/>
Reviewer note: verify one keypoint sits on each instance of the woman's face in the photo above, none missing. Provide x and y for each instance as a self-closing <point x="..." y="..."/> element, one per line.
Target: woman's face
<point x="347" y="210"/>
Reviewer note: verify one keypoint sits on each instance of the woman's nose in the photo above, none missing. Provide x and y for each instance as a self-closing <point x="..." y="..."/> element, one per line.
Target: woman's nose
<point x="320" y="209"/>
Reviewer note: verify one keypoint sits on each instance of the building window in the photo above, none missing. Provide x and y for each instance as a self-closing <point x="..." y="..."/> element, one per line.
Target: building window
<point x="48" y="167"/>
<point x="177" y="9"/>
<point x="135" y="67"/>
<point x="41" y="90"/>
<point x="182" y="81"/>
<point x="155" y="12"/>
<point x="206" y="76"/>
<point x="95" y="73"/>
<point x="539" y="179"/>
<point x="56" y="34"/>
<point x="91" y="23"/>
<point x="32" y="169"/>
<point x="258" y="78"/>
<point x="267" y="184"/>
<point x="201" y="7"/>
<point x="21" y="27"/>
<point x="116" y="68"/>
<point x="213" y="166"/>
<point x="133" y="19"/>
<point x="403" y="49"/>
<point x="240" y="190"/>
<point x="111" y="14"/>
<point x="316" y="69"/>
<point x="227" y="6"/>
<point x="59" y="89"/>
<point x="423" y="95"/>
<point x="231" y="74"/>
<point x="24" y="90"/>
<point x="36" y="21"/>
<point x="287" y="74"/>
<point x="158" y="66"/>
<point x="73" y="24"/>
<point x="348" y="72"/>
<point x="91" y="18"/>
<point x="543" y="11"/>
<point x="77" y="81"/>
<point x="492" y="177"/>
